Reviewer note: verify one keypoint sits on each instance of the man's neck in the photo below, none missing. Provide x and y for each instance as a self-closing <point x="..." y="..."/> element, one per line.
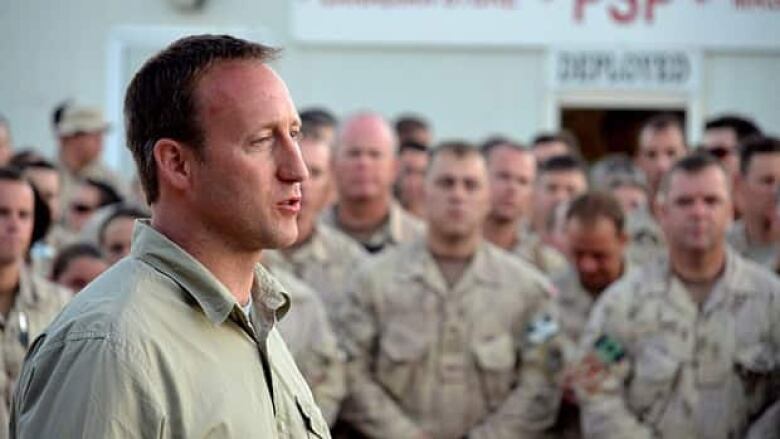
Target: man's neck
<point x="234" y="268"/>
<point x="500" y="232"/>
<point x="9" y="285"/>
<point x="363" y="215"/>
<point x="698" y="266"/>
<point x="449" y="247"/>
<point x="758" y="230"/>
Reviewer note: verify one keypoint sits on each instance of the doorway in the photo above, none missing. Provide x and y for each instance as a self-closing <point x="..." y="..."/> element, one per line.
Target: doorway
<point x="603" y="131"/>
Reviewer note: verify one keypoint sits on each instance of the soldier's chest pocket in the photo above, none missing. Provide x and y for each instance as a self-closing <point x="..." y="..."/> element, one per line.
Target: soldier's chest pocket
<point x="402" y="351"/>
<point x="755" y="367"/>
<point x="496" y="356"/>
<point x="654" y="378"/>
<point x="316" y="428"/>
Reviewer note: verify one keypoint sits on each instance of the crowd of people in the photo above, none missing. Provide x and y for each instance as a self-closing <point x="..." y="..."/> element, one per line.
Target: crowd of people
<point x="433" y="289"/>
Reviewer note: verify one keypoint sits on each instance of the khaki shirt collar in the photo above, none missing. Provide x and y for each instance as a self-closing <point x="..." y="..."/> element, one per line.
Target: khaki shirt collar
<point x="728" y="282"/>
<point x="313" y="249"/>
<point x="209" y="293"/>
<point x="418" y="263"/>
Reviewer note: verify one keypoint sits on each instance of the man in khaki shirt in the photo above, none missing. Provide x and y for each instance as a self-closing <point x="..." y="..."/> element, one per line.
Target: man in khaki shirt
<point x="512" y="172"/>
<point x="689" y="347"/>
<point x="27" y="302"/>
<point x="755" y="236"/>
<point x="180" y="338"/>
<point x="448" y="336"/>
<point x="321" y="256"/>
<point x="364" y="166"/>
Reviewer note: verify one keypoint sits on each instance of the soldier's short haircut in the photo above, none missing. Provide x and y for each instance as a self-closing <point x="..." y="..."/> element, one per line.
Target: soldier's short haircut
<point x="691" y="164"/>
<point x="742" y="126"/>
<point x="756" y="145"/>
<point x="314" y="120"/>
<point x="494" y="143"/>
<point x="160" y="101"/>
<point x="412" y="146"/>
<point x="563" y="136"/>
<point x="122" y="211"/>
<point x="69" y="254"/>
<point x="36" y="163"/>
<point x="458" y="148"/>
<point x="405" y="125"/>
<point x="591" y="206"/>
<point x="563" y="163"/>
<point x="10" y="173"/>
<point x="662" y="121"/>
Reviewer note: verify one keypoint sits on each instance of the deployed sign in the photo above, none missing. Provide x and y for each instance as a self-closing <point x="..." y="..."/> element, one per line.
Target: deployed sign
<point x="687" y="23"/>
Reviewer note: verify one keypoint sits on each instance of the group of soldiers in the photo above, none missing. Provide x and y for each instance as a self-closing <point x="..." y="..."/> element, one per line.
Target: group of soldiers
<point x="431" y="291"/>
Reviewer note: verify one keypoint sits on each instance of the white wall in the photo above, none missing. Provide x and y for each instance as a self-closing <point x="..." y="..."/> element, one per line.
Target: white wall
<point x="53" y="49"/>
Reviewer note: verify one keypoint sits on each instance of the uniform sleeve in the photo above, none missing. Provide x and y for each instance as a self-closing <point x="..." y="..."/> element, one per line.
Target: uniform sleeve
<point x="532" y="406"/>
<point x="603" y="407"/>
<point x="84" y="388"/>
<point x="368" y="407"/>
<point x="327" y="363"/>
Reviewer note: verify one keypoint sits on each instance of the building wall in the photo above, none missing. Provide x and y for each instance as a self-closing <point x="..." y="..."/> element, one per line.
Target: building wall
<point x="54" y="49"/>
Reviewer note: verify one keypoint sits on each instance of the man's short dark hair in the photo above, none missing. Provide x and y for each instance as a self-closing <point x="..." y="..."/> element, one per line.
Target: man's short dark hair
<point x="408" y="124"/>
<point x="36" y="163"/>
<point x="742" y="126"/>
<point x="412" y="146"/>
<point x="458" y="148"/>
<point x="494" y="143"/>
<point x="160" y="101"/>
<point x="563" y="163"/>
<point x="690" y="164"/>
<point x="108" y="194"/>
<point x="663" y="121"/>
<point x="589" y="207"/>
<point x="70" y="253"/>
<point x="314" y="120"/>
<point x="563" y="136"/>
<point x="122" y="211"/>
<point x="756" y="145"/>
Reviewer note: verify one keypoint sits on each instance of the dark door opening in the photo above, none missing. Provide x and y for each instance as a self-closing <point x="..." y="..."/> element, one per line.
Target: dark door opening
<point x="603" y="131"/>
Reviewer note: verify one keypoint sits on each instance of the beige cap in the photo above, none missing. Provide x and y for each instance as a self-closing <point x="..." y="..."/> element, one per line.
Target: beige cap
<point x="77" y="119"/>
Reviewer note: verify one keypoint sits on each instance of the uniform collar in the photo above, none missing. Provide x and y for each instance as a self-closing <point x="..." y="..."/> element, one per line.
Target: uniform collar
<point x="417" y="262"/>
<point x="216" y="301"/>
<point x="312" y="249"/>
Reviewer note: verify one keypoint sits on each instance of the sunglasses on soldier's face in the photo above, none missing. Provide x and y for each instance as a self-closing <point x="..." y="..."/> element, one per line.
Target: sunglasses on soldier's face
<point x="720" y="152"/>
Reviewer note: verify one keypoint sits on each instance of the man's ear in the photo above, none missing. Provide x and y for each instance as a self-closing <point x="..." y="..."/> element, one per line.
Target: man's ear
<point x="174" y="163"/>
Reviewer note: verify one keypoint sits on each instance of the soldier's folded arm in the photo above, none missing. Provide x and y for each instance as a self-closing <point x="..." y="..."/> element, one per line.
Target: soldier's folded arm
<point x="602" y="403"/>
<point x="86" y="388"/>
<point x="531" y="407"/>
<point x="368" y="407"/>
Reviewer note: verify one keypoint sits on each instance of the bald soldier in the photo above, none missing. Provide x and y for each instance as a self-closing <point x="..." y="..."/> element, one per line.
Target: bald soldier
<point x="365" y="166"/>
<point x="322" y="256"/>
<point x="690" y="347"/>
<point x="180" y="338"/>
<point x="28" y="302"/>
<point x="512" y="172"/>
<point x="448" y="336"/>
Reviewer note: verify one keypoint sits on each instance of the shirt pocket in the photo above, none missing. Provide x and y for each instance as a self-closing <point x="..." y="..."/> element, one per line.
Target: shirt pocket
<point x="401" y="352"/>
<point x="655" y="373"/>
<point x="316" y="428"/>
<point x="756" y="369"/>
<point x="496" y="357"/>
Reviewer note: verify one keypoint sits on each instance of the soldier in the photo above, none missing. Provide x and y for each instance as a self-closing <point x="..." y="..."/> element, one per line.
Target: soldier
<point x="27" y="302"/>
<point x="179" y="339"/>
<point x="560" y="179"/>
<point x="77" y="265"/>
<point x="554" y="144"/>
<point x="596" y="243"/>
<point x="312" y="343"/>
<point x="116" y="232"/>
<point x="321" y="255"/>
<point x="661" y="143"/>
<point x="80" y="131"/>
<point x="364" y="166"/>
<point x="754" y="235"/>
<point x="684" y="348"/>
<point x="412" y="163"/>
<point x="448" y="336"/>
<point x="512" y="172"/>
<point x="722" y="137"/>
